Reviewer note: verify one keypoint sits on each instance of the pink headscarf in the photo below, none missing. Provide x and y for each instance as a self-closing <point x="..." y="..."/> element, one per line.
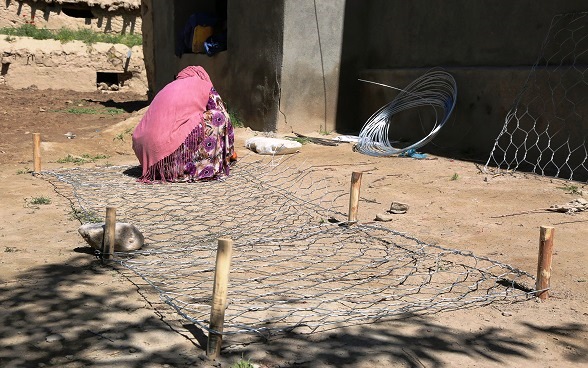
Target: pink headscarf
<point x="174" y="112"/>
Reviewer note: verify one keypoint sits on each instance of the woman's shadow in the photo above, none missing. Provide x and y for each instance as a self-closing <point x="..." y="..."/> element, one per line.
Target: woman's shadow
<point x="134" y="172"/>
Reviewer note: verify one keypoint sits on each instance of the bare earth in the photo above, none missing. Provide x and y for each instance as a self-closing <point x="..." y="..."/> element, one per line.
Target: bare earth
<point x="60" y="307"/>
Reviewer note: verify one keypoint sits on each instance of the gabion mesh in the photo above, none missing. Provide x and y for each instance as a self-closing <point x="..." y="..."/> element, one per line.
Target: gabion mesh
<point x="296" y="263"/>
<point x="545" y="131"/>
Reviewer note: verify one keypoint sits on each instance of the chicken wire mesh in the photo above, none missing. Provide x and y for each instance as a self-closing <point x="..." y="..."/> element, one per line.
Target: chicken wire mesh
<point x="545" y="131"/>
<point x="296" y="263"/>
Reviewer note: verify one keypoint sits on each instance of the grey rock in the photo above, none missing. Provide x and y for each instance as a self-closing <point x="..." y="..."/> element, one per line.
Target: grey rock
<point x="126" y="236"/>
<point x="54" y="337"/>
<point x="384" y="217"/>
<point x="398" y="208"/>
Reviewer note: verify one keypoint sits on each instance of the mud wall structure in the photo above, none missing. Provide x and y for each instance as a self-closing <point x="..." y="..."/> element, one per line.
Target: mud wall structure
<point x="74" y="65"/>
<point x="107" y="16"/>
<point x="44" y="64"/>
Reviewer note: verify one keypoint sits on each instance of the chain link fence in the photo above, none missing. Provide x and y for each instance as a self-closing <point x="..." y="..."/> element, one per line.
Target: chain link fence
<point x="545" y="132"/>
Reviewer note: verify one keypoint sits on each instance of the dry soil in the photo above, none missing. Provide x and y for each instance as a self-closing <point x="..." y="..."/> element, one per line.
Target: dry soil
<point x="60" y="307"/>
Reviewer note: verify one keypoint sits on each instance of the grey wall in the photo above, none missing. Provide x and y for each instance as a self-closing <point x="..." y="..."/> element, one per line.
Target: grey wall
<point x="247" y="75"/>
<point x="163" y="35"/>
<point x="310" y="69"/>
<point x="255" y="45"/>
<point x="488" y="45"/>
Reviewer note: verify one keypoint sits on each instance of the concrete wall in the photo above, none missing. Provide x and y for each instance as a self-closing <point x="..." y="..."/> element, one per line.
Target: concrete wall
<point x="310" y="68"/>
<point x="255" y="47"/>
<point x="276" y="74"/>
<point x="247" y="75"/>
<point x="291" y="66"/>
<point x="488" y="45"/>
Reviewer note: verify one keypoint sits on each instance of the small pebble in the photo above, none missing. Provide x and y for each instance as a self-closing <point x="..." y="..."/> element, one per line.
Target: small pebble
<point x="53" y="338"/>
<point x="384" y="217"/>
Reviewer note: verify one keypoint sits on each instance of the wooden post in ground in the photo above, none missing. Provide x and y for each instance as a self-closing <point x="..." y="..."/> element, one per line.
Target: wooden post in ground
<point x="544" y="262"/>
<point x="354" y="196"/>
<point x="219" y="297"/>
<point x="37" y="153"/>
<point x="109" y="233"/>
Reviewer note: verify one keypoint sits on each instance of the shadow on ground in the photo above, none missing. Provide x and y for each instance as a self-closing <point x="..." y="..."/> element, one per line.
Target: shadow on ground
<point x="413" y="342"/>
<point x="127" y="106"/>
<point x="60" y="315"/>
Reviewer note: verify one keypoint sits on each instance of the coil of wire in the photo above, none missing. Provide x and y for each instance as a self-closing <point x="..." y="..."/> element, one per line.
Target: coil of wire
<point x="436" y="88"/>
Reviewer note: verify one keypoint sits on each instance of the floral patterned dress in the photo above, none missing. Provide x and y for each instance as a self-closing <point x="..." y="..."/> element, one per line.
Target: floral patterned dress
<point x="207" y="151"/>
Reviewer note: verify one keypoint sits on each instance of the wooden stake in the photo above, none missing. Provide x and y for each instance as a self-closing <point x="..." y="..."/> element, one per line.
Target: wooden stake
<point x="219" y="296"/>
<point x="354" y="196"/>
<point x="109" y="233"/>
<point x="544" y="263"/>
<point x="37" y="152"/>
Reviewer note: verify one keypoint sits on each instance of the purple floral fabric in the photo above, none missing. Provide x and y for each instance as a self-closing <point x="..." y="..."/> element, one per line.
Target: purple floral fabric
<point x="206" y="152"/>
<point x="215" y="147"/>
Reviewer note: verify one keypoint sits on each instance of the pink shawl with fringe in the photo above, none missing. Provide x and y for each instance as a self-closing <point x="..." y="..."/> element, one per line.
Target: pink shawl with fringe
<point x="172" y="115"/>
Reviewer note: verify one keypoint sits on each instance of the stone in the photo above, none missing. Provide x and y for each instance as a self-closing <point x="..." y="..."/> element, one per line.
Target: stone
<point x="398" y="208"/>
<point x="54" y="338"/>
<point x="384" y="217"/>
<point x="126" y="236"/>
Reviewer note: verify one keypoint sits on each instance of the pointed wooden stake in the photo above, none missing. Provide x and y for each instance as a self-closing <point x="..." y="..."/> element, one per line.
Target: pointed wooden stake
<point x="219" y="297"/>
<point x="544" y="262"/>
<point x="109" y="234"/>
<point x="354" y="196"/>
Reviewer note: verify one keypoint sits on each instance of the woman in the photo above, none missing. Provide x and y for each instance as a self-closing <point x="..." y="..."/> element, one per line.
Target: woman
<point x="186" y="133"/>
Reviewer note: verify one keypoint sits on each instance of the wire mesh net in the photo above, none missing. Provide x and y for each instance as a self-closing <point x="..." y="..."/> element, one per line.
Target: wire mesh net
<point x="545" y="131"/>
<point x="295" y="263"/>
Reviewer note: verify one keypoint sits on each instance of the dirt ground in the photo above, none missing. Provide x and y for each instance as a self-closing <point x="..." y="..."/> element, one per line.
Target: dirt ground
<point x="60" y="307"/>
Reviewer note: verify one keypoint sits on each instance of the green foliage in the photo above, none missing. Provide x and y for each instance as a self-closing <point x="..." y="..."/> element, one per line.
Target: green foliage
<point x="26" y="170"/>
<point x="571" y="189"/>
<point x="121" y="136"/>
<point x="80" y="110"/>
<point x="324" y="131"/>
<point x="39" y="200"/>
<point x="234" y="117"/>
<point x="455" y="176"/>
<point x="84" y="217"/>
<point x="27" y="30"/>
<point x="79" y="160"/>
<point x="64" y="35"/>
<point x="235" y="120"/>
<point x="301" y="140"/>
<point x="242" y="364"/>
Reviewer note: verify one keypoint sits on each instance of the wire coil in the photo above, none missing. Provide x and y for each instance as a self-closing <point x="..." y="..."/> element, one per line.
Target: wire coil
<point x="436" y="88"/>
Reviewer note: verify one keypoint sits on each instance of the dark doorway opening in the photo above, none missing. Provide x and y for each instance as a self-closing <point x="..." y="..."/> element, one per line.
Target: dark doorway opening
<point x="106" y="80"/>
<point x="77" y="12"/>
<point x="196" y="21"/>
